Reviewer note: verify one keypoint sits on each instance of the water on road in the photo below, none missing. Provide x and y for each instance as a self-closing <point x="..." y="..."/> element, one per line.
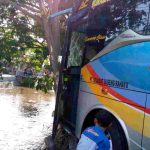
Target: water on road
<point x="25" y="118"/>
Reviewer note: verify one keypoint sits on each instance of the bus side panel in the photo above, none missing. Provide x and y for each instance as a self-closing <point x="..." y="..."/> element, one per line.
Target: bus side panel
<point x="146" y="132"/>
<point x="130" y="114"/>
<point x="86" y="101"/>
<point x="123" y="74"/>
<point x="89" y="101"/>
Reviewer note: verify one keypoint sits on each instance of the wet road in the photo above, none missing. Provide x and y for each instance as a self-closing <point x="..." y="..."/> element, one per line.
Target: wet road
<point x="25" y="118"/>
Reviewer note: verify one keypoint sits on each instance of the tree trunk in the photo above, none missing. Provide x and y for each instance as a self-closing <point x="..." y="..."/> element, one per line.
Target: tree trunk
<point x="52" y="33"/>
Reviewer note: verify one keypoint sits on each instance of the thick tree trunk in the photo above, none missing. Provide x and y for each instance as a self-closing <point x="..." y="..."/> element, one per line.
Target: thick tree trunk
<point x="55" y="36"/>
<point x="56" y="46"/>
<point x="52" y="35"/>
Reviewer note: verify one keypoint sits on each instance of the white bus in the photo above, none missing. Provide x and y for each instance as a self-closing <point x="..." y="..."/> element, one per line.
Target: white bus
<point x="106" y="65"/>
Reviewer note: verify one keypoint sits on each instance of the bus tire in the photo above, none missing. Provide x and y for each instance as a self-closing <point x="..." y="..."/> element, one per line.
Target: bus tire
<point x="117" y="136"/>
<point x="115" y="132"/>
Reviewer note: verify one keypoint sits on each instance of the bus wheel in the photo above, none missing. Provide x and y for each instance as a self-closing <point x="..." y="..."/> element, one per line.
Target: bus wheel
<point x="117" y="137"/>
<point x="115" y="132"/>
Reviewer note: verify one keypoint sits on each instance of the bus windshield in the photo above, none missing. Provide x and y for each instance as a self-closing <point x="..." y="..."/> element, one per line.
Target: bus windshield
<point x="85" y="43"/>
<point x="76" y="49"/>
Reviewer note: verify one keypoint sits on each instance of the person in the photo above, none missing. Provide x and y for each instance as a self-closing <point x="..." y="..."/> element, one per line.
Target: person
<point x="94" y="138"/>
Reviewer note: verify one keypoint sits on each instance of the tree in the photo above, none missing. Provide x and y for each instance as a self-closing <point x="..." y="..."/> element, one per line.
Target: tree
<point x="37" y="11"/>
<point x="17" y="38"/>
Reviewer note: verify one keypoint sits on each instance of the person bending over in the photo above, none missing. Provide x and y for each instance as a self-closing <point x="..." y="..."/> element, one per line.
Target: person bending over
<point x="94" y="138"/>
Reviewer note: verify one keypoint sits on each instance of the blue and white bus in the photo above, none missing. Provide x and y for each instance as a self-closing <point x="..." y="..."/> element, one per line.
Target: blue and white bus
<point x="106" y="65"/>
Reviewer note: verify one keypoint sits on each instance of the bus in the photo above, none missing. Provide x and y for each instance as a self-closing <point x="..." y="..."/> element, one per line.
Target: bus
<point x="106" y="65"/>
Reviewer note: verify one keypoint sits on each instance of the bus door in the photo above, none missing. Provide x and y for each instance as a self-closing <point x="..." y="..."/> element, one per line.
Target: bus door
<point x="71" y="77"/>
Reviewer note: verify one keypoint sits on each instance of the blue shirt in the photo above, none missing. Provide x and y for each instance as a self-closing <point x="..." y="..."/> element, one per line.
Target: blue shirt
<point x="93" y="138"/>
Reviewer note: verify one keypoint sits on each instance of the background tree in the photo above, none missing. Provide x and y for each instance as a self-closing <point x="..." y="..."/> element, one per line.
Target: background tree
<point x="37" y="12"/>
<point x="17" y="39"/>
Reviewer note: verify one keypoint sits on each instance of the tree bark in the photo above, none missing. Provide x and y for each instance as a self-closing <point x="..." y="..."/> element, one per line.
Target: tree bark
<point x="55" y="35"/>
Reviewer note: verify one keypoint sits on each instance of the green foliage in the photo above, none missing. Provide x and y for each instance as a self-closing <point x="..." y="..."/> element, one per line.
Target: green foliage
<point x="35" y="58"/>
<point x="29" y="82"/>
<point x="37" y="68"/>
<point x="44" y="84"/>
<point x="19" y="34"/>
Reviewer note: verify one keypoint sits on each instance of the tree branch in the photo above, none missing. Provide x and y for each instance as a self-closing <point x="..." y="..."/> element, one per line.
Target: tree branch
<point x="19" y="7"/>
<point x="40" y="44"/>
<point x="30" y="8"/>
<point x="25" y="12"/>
<point x="42" y="8"/>
<point x="35" y="6"/>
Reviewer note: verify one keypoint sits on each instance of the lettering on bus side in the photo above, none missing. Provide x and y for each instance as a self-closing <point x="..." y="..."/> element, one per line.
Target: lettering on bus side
<point x="111" y="83"/>
<point x="95" y="38"/>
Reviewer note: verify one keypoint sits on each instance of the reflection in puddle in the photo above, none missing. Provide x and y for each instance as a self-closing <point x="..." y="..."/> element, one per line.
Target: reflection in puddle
<point x="26" y="118"/>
